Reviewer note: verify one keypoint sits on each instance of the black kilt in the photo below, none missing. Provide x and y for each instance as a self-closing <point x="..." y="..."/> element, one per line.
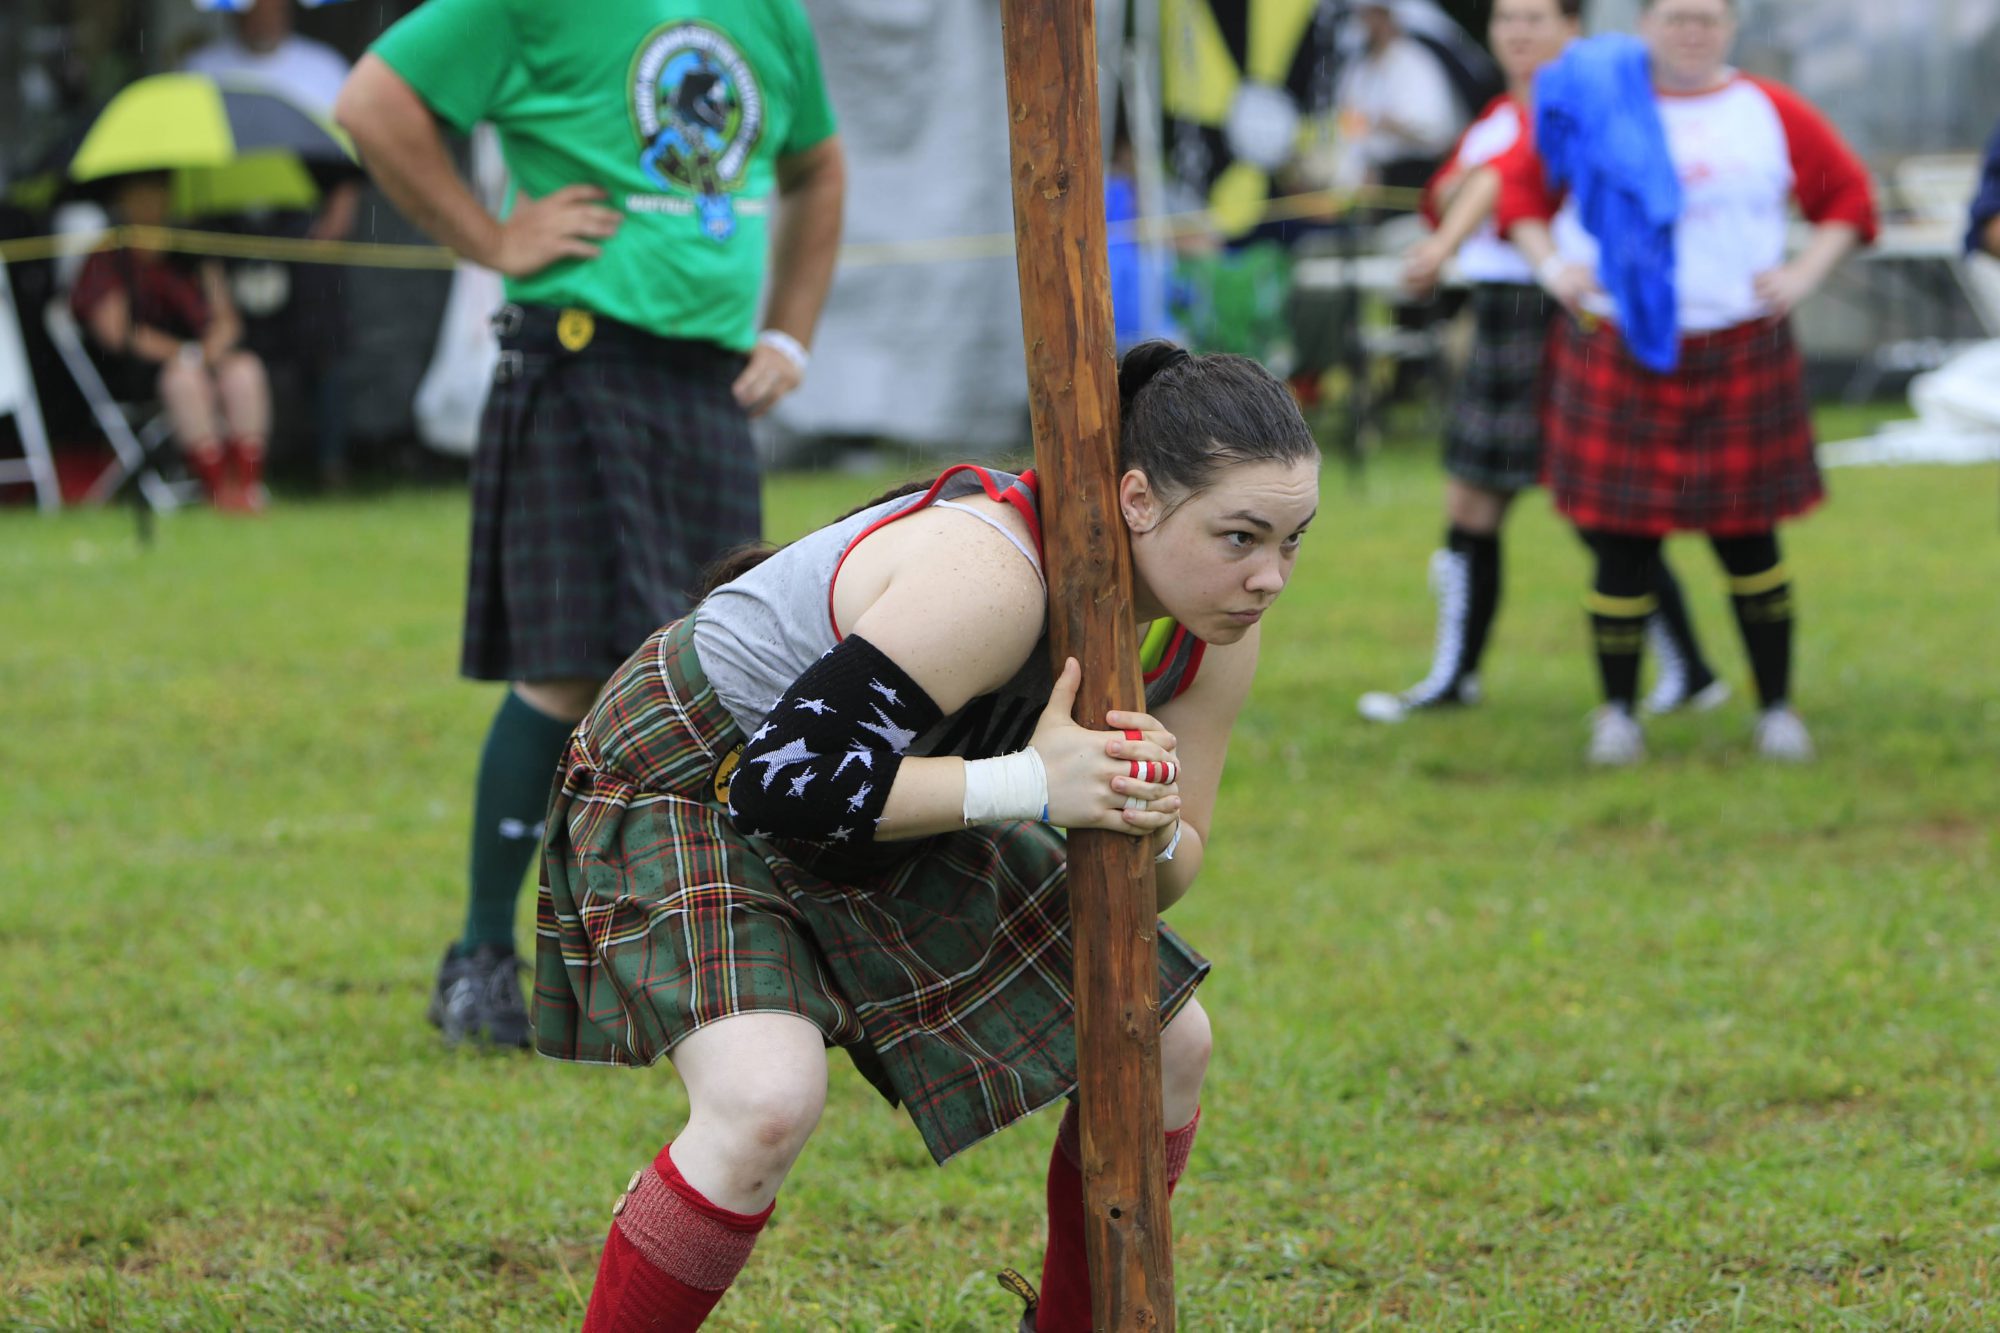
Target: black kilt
<point x="605" y="480"/>
<point x="1493" y="432"/>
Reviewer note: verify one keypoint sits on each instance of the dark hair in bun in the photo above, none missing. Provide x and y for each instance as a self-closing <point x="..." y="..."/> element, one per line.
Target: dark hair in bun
<point x="1186" y="417"/>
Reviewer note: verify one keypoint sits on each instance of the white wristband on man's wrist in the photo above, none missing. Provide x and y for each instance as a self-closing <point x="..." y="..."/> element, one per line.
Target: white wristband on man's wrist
<point x="1010" y="787"/>
<point x="1550" y="271"/>
<point x="1166" y="853"/>
<point x="785" y="345"/>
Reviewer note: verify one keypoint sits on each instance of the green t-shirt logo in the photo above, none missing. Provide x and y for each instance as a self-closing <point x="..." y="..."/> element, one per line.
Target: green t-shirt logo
<point x="698" y="113"/>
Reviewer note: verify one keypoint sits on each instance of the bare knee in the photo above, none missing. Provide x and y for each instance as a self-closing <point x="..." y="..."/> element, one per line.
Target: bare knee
<point x="1185" y="1047"/>
<point x="756" y="1085"/>
<point x="183" y="385"/>
<point x="1474" y="508"/>
<point x="242" y="373"/>
<point x="761" y="1123"/>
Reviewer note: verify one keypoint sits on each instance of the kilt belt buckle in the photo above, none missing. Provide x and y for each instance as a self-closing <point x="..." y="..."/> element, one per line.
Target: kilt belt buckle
<point x="725" y="769"/>
<point x="575" y="328"/>
<point x="507" y="319"/>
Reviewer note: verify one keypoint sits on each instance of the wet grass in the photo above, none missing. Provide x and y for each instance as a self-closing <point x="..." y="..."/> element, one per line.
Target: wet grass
<point x="1502" y="1043"/>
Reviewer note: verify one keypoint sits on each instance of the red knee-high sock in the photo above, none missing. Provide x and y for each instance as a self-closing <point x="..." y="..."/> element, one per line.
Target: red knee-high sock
<point x="209" y="462"/>
<point x="1065" y="1294"/>
<point x="246" y="456"/>
<point x="670" y="1255"/>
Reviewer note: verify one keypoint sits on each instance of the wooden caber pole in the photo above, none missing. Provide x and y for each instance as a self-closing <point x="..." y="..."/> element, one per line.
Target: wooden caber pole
<point x="1059" y="234"/>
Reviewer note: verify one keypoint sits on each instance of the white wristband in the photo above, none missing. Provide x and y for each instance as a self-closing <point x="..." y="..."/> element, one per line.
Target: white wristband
<point x="1013" y="786"/>
<point x="1549" y="270"/>
<point x="785" y="345"/>
<point x="1173" y="845"/>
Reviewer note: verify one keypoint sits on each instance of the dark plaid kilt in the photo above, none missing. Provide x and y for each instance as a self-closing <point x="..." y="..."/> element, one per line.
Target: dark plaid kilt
<point x="1723" y="444"/>
<point x="1493" y="433"/>
<point x="604" y="482"/>
<point x="942" y="966"/>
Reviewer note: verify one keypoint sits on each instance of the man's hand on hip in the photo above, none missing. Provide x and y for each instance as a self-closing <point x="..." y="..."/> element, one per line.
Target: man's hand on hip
<point x="562" y="225"/>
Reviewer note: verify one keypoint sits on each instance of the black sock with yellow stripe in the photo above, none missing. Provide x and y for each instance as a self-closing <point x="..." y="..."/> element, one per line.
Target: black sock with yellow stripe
<point x="1760" y="587"/>
<point x="1620" y="599"/>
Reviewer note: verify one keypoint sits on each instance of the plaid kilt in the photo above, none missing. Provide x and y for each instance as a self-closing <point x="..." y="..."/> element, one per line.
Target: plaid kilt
<point x="1723" y="444"/>
<point x="603" y="483"/>
<point x="943" y="966"/>
<point x="1493" y="433"/>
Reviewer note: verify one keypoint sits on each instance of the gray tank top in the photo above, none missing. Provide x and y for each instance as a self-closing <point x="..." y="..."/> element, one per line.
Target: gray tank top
<point x="758" y="633"/>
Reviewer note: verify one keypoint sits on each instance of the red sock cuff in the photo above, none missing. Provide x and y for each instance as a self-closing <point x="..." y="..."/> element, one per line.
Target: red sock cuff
<point x="681" y="1233"/>
<point x="1180" y="1143"/>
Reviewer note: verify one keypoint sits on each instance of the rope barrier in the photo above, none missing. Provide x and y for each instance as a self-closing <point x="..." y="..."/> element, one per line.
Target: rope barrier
<point x="866" y="254"/>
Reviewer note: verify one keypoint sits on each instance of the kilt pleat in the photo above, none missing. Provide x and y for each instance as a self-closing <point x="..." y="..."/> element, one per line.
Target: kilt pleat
<point x="602" y="486"/>
<point x="1723" y="444"/>
<point x="1493" y="427"/>
<point x="943" y="966"/>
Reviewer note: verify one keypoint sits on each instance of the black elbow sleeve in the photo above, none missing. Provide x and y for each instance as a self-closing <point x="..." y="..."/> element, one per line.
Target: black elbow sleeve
<point x="821" y="765"/>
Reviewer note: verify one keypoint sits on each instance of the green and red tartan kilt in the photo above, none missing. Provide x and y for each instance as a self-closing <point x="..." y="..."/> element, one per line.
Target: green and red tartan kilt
<point x="1722" y="444"/>
<point x="942" y="966"/>
<point x="605" y="481"/>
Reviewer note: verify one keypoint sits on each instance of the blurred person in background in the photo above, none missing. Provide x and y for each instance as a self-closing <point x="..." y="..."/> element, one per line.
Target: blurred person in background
<point x="1397" y="110"/>
<point x="1677" y="395"/>
<point x="1983" y="231"/>
<point x="1493" y="433"/>
<point x="615" y="458"/>
<point x="164" y="327"/>
<point x="312" y="331"/>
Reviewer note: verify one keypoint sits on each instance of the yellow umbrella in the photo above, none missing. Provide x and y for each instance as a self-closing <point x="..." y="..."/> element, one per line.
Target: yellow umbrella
<point x="232" y="144"/>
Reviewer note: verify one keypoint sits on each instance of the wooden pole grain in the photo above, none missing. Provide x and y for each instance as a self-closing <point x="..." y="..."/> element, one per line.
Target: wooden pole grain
<point x="1059" y="233"/>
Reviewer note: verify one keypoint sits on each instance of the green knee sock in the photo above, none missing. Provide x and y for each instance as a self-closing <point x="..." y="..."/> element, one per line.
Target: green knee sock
<point x="515" y="771"/>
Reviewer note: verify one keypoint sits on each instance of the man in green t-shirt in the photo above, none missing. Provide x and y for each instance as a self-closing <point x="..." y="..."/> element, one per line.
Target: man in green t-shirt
<point x="648" y="144"/>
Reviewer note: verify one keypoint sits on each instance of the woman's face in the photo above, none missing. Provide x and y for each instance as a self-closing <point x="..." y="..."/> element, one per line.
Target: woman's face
<point x="1528" y="34"/>
<point x="143" y="201"/>
<point x="1218" y="561"/>
<point x="1689" y="39"/>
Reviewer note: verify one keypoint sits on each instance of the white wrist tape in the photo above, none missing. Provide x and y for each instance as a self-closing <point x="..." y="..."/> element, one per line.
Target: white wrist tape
<point x="788" y="347"/>
<point x="1012" y="786"/>
<point x="1173" y="845"/>
<point x="1550" y="269"/>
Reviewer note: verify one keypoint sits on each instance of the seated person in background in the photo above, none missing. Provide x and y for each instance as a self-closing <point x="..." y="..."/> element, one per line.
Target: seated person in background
<point x="1398" y="113"/>
<point x="166" y="327"/>
<point x="1984" y="232"/>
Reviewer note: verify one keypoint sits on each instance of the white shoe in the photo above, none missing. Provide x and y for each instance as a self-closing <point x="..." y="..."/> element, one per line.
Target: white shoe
<point x="1704" y="700"/>
<point x="1670" y="692"/>
<point x="1616" y="739"/>
<point x="1381" y="706"/>
<point x="1451" y="585"/>
<point x="1780" y="734"/>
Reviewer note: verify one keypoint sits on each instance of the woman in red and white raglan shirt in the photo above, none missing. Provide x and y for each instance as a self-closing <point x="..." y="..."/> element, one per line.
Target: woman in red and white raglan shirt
<point x="1722" y="444"/>
<point x="1493" y="429"/>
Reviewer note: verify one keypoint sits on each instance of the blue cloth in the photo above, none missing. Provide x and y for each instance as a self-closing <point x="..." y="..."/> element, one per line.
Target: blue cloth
<point x="1985" y="204"/>
<point x="1598" y="130"/>
<point x="1134" y="269"/>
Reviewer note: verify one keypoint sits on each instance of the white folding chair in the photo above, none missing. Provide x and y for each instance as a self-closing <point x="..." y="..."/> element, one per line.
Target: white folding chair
<point x="137" y="432"/>
<point x="18" y="400"/>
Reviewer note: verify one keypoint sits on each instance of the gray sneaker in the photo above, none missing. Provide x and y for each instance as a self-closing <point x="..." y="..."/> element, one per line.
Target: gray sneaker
<point x="1781" y="735"/>
<point x="1616" y="739"/>
<point x="479" y="995"/>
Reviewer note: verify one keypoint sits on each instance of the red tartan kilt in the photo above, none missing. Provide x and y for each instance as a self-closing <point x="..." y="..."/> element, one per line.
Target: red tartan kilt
<point x="1723" y="444"/>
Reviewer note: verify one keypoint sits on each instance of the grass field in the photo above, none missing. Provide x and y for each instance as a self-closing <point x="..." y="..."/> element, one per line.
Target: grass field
<point x="1502" y="1043"/>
